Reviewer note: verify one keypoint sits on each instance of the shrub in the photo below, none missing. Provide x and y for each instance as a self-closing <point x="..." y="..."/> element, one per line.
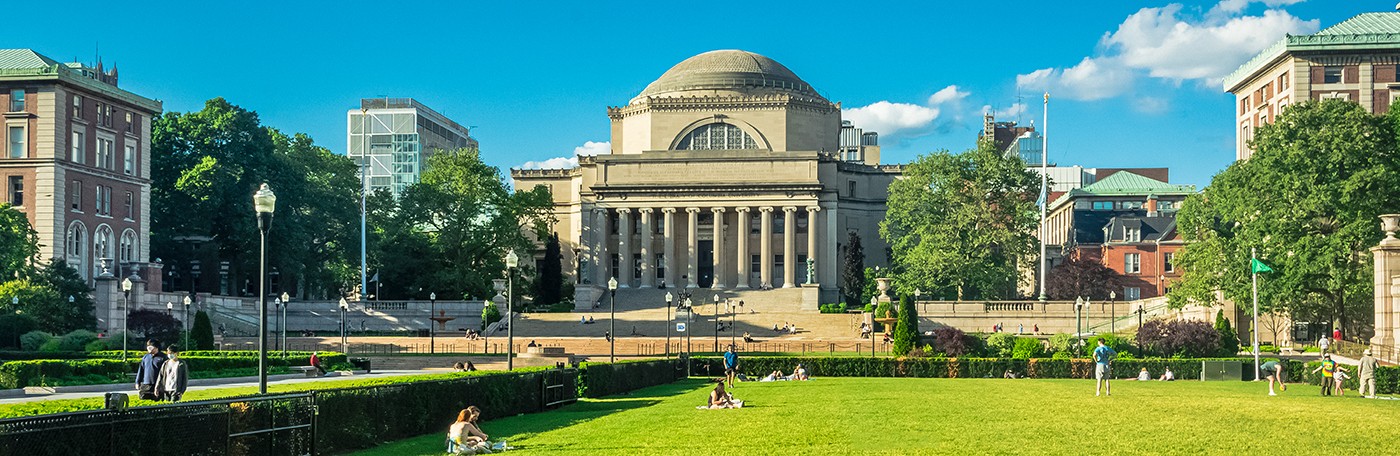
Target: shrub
<point x="1229" y="340"/>
<point x="1059" y="367"/>
<point x="833" y="308"/>
<point x="76" y="341"/>
<point x="999" y="345"/>
<point x="34" y="340"/>
<point x="949" y="341"/>
<point x="1027" y="348"/>
<point x="906" y="329"/>
<point x="1179" y="338"/>
<point x="12" y="327"/>
<point x="151" y="324"/>
<point x="1118" y="344"/>
<point x="202" y="334"/>
<point x="1062" y="343"/>
<point x="490" y="314"/>
<point x="606" y="379"/>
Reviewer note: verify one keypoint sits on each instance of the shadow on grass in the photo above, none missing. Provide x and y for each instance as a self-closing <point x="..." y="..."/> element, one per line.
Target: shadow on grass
<point x="522" y="426"/>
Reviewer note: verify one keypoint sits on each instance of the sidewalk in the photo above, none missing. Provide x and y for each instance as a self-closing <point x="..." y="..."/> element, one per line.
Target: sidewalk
<point x="16" y="396"/>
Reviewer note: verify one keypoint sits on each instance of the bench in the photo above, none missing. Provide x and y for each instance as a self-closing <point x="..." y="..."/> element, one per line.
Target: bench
<point x="309" y="371"/>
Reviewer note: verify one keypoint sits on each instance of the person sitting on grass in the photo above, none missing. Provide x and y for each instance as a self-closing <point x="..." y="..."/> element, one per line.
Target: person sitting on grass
<point x="1273" y="371"/>
<point x="469" y="367"/>
<point x="1143" y="375"/>
<point x="464" y="437"/>
<point x="1167" y="376"/>
<point x="748" y="339"/>
<point x="1008" y="374"/>
<point x="721" y="399"/>
<point x="800" y="373"/>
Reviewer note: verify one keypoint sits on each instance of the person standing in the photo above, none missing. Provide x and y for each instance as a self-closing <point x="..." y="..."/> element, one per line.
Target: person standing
<point x="174" y="376"/>
<point x="147" y="373"/>
<point x="1103" y="357"/>
<point x="731" y="365"/>
<point x="1273" y="370"/>
<point x="1366" y="375"/>
<point x="1328" y="368"/>
<point x="1322" y="344"/>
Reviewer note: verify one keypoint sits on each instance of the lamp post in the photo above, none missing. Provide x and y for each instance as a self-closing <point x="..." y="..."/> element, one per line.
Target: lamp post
<point x="511" y="262"/>
<point x="432" y="331"/>
<point x="1112" y="311"/>
<point x="344" y="307"/>
<point x="126" y="309"/>
<point x="170" y="309"/>
<point x="1078" y="332"/>
<point x="277" y="310"/>
<point x="186" y="324"/>
<point x="669" y="297"/>
<point x="874" y="302"/>
<point x="717" y="322"/>
<point x="733" y="321"/>
<point x="612" y="320"/>
<point x="264" y="203"/>
<point x="286" y="302"/>
<point x="1140" y="311"/>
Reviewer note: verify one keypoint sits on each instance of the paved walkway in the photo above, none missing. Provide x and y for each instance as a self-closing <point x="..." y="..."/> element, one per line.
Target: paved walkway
<point x="86" y="391"/>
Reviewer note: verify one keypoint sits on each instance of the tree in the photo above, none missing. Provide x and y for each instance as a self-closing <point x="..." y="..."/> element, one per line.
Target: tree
<point x="853" y="272"/>
<point x="147" y="324"/>
<point x="491" y="313"/>
<point x="66" y="282"/>
<point x="964" y="222"/>
<point x="51" y="311"/>
<point x="14" y="325"/>
<point x="1307" y="202"/>
<point x="950" y="341"/>
<point x="1080" y="276"/>
<point x="906" y="327"/>
<point x="1229" y="340"/>
<point x="1179" y="338"/>
<point x="19" y="243"/>
<point x="551" y="273"/>
<point x="202" y="334"/>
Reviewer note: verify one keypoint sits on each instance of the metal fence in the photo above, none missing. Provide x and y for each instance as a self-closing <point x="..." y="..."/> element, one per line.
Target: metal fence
<point x="269" y="425"/>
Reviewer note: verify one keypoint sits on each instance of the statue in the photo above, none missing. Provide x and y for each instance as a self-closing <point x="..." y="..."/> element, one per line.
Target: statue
<point x="811" y="271"/>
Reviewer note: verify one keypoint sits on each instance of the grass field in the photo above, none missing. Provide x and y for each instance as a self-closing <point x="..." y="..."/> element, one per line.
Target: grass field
<point x="951" y="416"/>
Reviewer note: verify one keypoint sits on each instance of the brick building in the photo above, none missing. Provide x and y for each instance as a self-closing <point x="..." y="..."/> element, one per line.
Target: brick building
<point x="76" y="161"/>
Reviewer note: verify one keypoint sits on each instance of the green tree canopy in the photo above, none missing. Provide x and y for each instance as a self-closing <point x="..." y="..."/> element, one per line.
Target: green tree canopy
<point x="963" y="222"/>
<point x="853" y="272"/>
<point x="1307" y="201"/>
<point x="19" y="243"/>
<point x="906" y="327"/>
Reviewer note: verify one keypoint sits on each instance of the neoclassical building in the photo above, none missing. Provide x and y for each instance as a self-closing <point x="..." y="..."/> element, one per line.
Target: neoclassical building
<point x="724" y="173"/>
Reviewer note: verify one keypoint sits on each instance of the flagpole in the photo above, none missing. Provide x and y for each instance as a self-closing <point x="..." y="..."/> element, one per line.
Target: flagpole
<point x="1044" y="194"/>
<point x="1254" y="328"/>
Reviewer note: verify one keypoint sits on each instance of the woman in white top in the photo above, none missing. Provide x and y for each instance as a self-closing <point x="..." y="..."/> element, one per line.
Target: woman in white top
<point x="464" y="436"/>
<point x="174" y="376"/>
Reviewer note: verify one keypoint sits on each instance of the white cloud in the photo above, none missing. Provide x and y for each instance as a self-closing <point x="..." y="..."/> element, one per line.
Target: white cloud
<point x="908" y="120"/>
<point x="1015" y="110"/>
<point x="948" y="94"/>
<point x="588" y="149"/>
<point x="1163" y="43"/>
<point x="591" y="148"/>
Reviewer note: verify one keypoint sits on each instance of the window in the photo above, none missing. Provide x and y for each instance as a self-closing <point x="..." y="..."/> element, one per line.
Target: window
<point x="78" y="153"/>
<point x="1130" y="204"/>
<point x="75" y="245"/>
<point x="105" y="148"/>
<point x="1335" y="95"/>
<point x="106" y="115"/>
<point x="1331" y="74"/>
<point x="636" y="266"/>
<point x="1167" y="262"/>
<point x="130" y="205"/>
<point x="16" y="140"/>
<point x="16" y="190"/>
<point x="1103" y="205"/>
<point x="850" y="188"/>
<point x="103" y="204"/>
<point x="77" y="106"/>
<point x="16" y="100"/>
<point x="1132" y="234"/>
<point x="717" y="136"/>
<point x="130" y="122"/>
<point x="613" y="260"/>
<point x="75" y="196"/>
<point x="1132" y="263"/>
<point x="778" y="224"/>
<point x="102" y="242"/>
<point x="129" y="160"/>
<point x="778" y="264"/>
<point x="1166" y="205"/>
<point x="127" y="248"/>
<point x="660" y="266"/>
<point x="755" y="264"/>
<point x="1132" y="293"/>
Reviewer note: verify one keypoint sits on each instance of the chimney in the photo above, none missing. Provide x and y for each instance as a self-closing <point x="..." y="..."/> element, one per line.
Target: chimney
<point x="1151" y="205"/>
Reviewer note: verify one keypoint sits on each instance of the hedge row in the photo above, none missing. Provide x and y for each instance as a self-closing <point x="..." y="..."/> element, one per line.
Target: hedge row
<point x="1387" y="377"/>
<point x="20" y="355"/>
<point x="604" y="379"/>
<point x="19" y="374"/>
<point x="1184" y="369"/>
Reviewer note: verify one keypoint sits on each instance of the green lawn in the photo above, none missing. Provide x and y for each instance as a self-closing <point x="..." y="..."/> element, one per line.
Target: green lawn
<point x="951" y="416"/>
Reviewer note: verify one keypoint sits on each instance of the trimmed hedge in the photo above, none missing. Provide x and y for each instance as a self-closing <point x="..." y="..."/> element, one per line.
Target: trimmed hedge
<point x="19" y="374"/>
<point x="756" y="366"/>
<point x="604" y="379"/>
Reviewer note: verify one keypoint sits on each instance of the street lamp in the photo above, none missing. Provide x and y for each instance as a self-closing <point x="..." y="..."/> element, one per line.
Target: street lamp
<point x="668" y="324"/>
<point x="511" y="262"/>
<point x="733" y="321"/>
<point x="612" y="320"/>
<point x="264" y="203"/>
<point x="185" y="323"/>
<point x="1078" y="332"/>
<point x="126" y="306"/>
<point x="432" y="331"/>
<point x="277" y="306"/>
<point x="344" y="307"/>
<point x="1112" y="311"/>
<point x="874" y="302"/>
<point x="286" y="302"/>
<point x="717" y="322"/>
<point x="1140" y="311"/>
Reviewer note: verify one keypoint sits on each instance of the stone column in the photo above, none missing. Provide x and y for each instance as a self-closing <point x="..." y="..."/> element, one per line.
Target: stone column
<point x="668" y="246"/>
<point x="812" y="242"/>
<point x="1387" y="258"/>
<point x="718" y="260"/>
<point x="743" y="247"/>
<point x="692" y="260"/>
<point x="624" y="247"/>
<point x="603" y="264"/>
<point x="646" y="249"/>
<point x="789" y="246"/>
<point x="765" y="247"/>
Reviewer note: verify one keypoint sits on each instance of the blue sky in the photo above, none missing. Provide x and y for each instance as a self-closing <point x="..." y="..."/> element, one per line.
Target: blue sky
<point x="1132" y="83"/>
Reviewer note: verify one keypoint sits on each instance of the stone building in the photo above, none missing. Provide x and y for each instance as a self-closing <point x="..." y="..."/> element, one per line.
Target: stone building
<point x="724" y="173"/>
<point x="1354" y="60"/>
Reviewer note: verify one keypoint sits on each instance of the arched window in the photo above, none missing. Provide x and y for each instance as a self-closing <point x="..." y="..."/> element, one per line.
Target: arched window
<point x="127" y="249"/>
<point x="102" y="242"/>
<point x="717" y="136"/>
<point x="75" y="247"/>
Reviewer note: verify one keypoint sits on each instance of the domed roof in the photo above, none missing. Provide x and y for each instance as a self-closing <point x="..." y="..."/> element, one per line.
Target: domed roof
<point x="729" y="70"/>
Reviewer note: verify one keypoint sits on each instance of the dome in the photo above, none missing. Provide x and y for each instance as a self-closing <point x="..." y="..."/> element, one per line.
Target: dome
<point x="729" y="70"/>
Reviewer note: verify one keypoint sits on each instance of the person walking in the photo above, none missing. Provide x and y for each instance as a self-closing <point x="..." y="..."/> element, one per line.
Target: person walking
<point x="1273" y="370"/>
<point x="1323" y="343"/>
<point x="1366" y="375"/>
<point x="731" y="365"/>
<point x="1328" y="369"/>
<point x="1103" y="357"/>
<point x="174" y="376"/>
<point x="147" y="373"/>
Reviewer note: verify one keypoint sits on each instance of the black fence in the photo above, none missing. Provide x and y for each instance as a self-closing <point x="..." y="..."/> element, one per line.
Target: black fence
<point x="268" y="425"/>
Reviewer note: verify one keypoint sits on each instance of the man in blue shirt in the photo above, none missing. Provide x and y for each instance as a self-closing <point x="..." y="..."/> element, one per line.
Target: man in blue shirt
<point x="1102" y="372"/>
<point x="147" y="372"/>
<point x="731" y="365"/>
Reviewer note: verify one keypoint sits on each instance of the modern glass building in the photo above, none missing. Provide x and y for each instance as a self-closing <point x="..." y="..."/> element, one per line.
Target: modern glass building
<point x="394" y="137"/>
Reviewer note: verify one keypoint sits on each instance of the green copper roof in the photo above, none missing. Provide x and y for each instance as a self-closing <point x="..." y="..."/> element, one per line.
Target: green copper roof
<point x="27" y="65"/>
<point x="23" y="59"/>
<point x="1124" y="183"/>
<point x="1363" y="32"/>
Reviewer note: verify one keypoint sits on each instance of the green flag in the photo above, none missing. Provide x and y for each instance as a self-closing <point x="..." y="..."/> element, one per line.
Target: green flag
<point x="1257" y="266"/>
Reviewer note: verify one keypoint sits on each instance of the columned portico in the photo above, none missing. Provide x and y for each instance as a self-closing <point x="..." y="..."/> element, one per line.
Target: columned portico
<point x="789" y="245"/>
<point x="742" y="247"/>
<point x="765" y="247"/>
<point x="692" y="251"/>
<point x="718" y="260"/>
<point x="646" y="249"/>
<point x="668" y="250"/>
<point x="624" y="247"/>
